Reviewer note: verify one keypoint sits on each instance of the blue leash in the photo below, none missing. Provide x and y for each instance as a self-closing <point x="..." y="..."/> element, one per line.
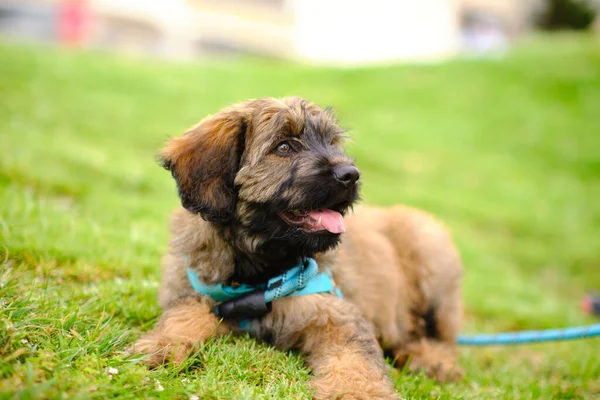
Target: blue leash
<point x="547" y="335"/>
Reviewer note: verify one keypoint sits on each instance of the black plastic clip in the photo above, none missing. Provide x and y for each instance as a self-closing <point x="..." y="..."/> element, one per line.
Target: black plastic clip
<point x="252" y="305"/>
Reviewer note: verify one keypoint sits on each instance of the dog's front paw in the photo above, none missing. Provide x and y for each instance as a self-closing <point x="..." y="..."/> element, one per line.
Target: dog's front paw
<point x="352" y="396"/>
<point x="354" y="388"/>
<point x="160" y="349"/>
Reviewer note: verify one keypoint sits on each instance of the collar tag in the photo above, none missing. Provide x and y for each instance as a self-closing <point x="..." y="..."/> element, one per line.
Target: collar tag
<point x="252" y="305"/>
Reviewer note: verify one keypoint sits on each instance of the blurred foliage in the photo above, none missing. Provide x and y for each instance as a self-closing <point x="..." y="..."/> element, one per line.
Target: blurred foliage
<point x="569" y="14"/>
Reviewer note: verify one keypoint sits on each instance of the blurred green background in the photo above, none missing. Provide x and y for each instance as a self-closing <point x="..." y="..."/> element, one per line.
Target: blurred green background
<point x="505" y="150"/>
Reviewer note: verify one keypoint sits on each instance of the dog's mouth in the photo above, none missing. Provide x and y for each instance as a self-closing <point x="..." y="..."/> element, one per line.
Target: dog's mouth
<point x="321" y="220"/>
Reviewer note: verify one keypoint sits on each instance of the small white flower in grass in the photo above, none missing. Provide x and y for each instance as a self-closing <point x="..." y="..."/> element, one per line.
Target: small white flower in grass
<point x="24" y="341"/>
<point x="185" y="380"/>
<point x="159" y="387"/>
<point x="194" y="397"/>
<point x="112" y="371"/>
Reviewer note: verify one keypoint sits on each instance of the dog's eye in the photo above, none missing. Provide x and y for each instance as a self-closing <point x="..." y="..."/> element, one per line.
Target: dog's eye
<point x="283" y="148"/>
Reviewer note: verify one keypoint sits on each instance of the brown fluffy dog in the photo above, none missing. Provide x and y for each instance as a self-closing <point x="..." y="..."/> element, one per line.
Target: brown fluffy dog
<point x="265" y="183"/>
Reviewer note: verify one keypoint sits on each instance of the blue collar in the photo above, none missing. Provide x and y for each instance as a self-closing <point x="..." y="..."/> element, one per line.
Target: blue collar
<point x="252" y="301"/>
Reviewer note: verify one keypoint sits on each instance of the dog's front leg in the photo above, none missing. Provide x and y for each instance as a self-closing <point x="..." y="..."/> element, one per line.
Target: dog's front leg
<point x="178" y="332"/>
<point x="338" y="342"/>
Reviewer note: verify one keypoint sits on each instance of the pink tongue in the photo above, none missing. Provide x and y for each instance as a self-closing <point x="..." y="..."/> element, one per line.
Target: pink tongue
<point x="330" y="220"/>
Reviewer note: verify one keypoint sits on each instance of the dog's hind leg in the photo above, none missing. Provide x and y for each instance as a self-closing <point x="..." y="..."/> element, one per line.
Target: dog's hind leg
<point x="434" y="358"/>
<point x="435" y="353"/>
<point x="179" y="331"/>
<point x="339" y="344"/>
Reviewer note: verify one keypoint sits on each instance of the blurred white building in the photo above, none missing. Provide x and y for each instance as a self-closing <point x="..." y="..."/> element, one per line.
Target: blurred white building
<point x="334" y="31"/>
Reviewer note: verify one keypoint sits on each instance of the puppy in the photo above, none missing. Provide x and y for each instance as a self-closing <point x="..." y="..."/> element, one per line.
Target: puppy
<point x="264" y="185"/>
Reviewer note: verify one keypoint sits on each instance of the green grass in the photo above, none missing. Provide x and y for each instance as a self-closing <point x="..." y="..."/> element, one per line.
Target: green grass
<point x="507" y="152"/>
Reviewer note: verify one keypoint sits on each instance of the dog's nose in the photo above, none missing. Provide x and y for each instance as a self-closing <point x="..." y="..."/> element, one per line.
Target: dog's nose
<point x="347" y="174"/>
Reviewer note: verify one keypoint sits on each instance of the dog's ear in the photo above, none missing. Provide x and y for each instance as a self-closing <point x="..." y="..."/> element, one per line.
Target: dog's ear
<point x="204" y="162"/>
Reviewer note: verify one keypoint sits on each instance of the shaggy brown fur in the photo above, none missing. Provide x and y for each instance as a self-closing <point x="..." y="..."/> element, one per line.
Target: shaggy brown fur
<point x="398" y="269"/>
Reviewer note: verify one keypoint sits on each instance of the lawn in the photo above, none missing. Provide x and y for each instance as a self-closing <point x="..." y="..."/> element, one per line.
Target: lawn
<point x="505" y="151"/>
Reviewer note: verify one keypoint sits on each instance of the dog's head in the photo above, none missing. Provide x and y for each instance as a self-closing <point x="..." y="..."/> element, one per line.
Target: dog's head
<point x="270" y="171"/>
